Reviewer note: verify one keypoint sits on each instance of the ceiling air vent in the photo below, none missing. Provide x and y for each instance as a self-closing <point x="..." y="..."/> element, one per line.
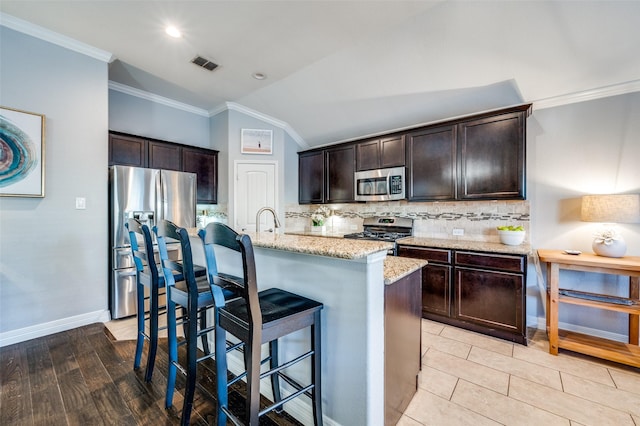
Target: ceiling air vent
<point x="204" y="63"/>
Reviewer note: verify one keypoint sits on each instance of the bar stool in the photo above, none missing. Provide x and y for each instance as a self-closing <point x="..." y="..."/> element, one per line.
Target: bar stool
<point x="146" y="276"/>
<point x="195" y="296"/>
<point x="149" y="276"/>
<point x="256" y="318"/>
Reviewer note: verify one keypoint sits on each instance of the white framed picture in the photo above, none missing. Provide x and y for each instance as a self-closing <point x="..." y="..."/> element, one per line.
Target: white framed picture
<point x="256" y="141"/>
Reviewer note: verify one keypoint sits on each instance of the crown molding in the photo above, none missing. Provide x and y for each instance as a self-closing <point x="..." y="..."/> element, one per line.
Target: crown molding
<point x="54" y="38"/>
<point x="118" y="87"/>
<point x="232" y="106"/>
<point x="588" y="95"/>
<point x="227" y="106"/>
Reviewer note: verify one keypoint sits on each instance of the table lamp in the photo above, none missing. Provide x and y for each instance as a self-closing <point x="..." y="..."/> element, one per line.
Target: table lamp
<point x="609" y="210"/>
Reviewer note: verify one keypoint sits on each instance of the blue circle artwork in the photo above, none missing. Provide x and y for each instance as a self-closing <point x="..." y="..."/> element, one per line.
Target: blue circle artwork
<point x="17" y="153"/>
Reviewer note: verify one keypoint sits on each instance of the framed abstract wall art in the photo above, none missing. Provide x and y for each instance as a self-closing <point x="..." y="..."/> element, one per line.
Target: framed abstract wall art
<point x="21" y="153"/>
<point x="256" y="141"/>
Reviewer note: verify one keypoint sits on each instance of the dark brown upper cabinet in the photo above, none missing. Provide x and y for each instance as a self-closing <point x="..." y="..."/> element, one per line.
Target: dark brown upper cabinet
<point x="477" y="157"/>
<point x="380" y="153"/>
<point x="127" y="150"/>
<point x="164" y="155"/>
<point x="492" y="157"/>
<point x="326" y="175"/>
<point x="311" y="177"/>
<point x="340" y="165"/>
<point x="204" y="163"/>
<point x="130" y="150"/>
<point x="431" y="164"/>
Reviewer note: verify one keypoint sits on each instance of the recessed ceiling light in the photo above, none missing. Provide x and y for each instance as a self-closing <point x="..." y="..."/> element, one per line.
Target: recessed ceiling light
<point x="259" y="76"/>
<point x="173" y="31"/>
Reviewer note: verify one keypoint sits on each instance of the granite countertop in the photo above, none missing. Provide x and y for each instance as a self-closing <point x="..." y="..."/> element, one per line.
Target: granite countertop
<point x="320" y="246"/>
<point x="524" y="248"/>
<point x="399" y="267"/>
<point x="327" y="234"/>
<point x="394" y="267"/>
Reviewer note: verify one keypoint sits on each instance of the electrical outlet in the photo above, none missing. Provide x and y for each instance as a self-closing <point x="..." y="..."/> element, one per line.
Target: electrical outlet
<point x="458" y="232"/>
<point x="81" y="203"/>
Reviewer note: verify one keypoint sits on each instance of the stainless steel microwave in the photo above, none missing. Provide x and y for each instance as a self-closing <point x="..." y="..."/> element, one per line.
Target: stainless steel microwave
<point x="380" y="184"/>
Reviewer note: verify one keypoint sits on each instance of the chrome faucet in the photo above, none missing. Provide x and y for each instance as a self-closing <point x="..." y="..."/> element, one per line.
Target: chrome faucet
<point x="273" y="212"/>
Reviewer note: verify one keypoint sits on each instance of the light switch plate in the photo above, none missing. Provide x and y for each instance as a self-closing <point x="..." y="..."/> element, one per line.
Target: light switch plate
<point x="81" y="203"/>
<point x="458" y="232"/>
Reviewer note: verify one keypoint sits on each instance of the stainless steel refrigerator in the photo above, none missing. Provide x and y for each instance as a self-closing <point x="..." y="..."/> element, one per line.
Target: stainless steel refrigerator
<point x="147" y="195"/>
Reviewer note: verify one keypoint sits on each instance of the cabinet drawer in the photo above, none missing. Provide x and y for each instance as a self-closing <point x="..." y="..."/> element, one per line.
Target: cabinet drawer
<point x="429" y="254"/>
<point x="492" y="261"/>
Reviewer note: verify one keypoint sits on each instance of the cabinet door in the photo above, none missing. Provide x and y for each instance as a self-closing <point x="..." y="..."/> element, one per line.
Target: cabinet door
<point x="311" y="177"/>
<point x="341" y="166"/>
<point x="380" y="153"/>
<point x="392" y="152"/>
<point x="492" y="157"/>
<point x="165" y="156"/>
<point x="368" y="155"/>
<point x="431" y="163"/>
<point x="436" y="290"/>
<point x="204" y="163"/>
<point x="127" y="151"/>
<point x="490" y="298"/>
<point x="436" y="279"/>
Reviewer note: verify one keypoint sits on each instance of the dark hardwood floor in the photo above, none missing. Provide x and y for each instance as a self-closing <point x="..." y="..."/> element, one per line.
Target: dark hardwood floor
<point x="84" y="377"/>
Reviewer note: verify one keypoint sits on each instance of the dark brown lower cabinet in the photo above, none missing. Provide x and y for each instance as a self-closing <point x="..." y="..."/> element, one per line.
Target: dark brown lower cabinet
<point x="478" y="291"/>
<point x="402" y="343"/>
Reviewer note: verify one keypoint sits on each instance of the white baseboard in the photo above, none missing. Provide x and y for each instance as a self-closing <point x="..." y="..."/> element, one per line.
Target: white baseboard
<point x="542" y="325"/>
<point x="44" y="329"/>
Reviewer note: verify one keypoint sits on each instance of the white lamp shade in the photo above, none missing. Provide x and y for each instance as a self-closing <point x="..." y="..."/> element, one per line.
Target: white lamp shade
<point x="618" y="208"/>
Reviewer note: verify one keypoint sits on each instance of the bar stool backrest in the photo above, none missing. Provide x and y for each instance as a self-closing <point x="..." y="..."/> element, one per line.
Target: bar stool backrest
<point x="174" y="270"/>
<point x="144" y="259"/>
<point x="218" y="234"/>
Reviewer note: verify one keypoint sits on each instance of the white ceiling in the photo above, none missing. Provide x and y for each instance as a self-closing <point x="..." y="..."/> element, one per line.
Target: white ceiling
<point x="339" y="70"/>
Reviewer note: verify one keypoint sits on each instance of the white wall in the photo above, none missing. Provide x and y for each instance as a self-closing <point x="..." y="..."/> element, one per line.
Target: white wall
<point x="291" y="149"/>
<point x="236" y="122"/>
<point x="583" y="148"/>
<point x="142" y="117"/>
<point x="53" y="258"/>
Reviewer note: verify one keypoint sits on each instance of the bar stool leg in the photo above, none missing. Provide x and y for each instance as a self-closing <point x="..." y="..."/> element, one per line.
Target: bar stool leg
<point x="192" y="360"/>
<point x="275" y="378"/>
<point x="253" y="380"/>
<point x="173" y="352"/>
<point x="221" y="373"/>
<point x="316" y="369"/>
<point x="153" y="334"/>
<point x="140" y="321"/>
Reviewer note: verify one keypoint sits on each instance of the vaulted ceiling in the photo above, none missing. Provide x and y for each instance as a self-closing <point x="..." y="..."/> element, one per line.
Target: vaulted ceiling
<point x="338" y="70"/>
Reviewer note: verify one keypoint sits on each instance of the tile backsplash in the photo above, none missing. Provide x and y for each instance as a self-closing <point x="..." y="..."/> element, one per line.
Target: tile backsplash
<point x="477" y="219"/>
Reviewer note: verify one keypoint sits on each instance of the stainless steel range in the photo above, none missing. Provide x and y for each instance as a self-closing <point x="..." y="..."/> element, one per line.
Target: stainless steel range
<point x="384" y="228"/>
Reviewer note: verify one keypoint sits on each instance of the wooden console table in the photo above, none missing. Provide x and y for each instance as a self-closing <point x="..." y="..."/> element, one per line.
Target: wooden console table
<point x="625" y="353"/>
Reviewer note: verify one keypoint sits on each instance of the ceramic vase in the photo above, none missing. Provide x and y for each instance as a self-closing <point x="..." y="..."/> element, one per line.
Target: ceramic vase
<point x="616" y="249"/>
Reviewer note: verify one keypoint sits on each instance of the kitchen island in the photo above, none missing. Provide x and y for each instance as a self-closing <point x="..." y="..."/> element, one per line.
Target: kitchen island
<point x="351" y="279"/>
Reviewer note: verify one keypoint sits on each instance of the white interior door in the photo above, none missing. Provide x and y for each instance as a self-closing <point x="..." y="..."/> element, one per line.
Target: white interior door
<point x="256" y="187"/>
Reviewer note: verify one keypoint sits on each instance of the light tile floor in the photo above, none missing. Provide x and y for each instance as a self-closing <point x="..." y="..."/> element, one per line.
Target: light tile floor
<point x="471" y="379"/>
